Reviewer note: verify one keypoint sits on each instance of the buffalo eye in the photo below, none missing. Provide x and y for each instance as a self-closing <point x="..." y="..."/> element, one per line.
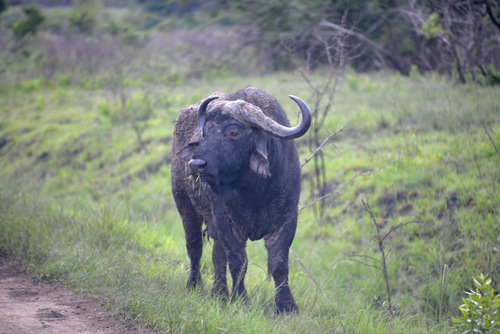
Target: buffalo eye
<point x="233" y="131"/>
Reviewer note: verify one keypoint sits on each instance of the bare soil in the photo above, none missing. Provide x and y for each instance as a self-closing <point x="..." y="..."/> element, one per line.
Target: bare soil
<point x="28" y="307"/>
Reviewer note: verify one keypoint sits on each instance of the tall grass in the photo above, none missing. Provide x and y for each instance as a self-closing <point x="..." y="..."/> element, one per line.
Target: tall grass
<point x="81" y="205"/>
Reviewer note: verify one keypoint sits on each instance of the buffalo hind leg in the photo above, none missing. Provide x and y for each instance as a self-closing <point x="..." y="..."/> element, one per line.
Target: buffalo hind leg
<point x="278" y="267"/>
<point x="193" y="224"/>
<point x="194" y="245"/>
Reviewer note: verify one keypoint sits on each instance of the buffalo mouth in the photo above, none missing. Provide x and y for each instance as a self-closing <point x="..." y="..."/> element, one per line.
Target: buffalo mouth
<point x="196" y="177"/>
<point x="198" y="171"/>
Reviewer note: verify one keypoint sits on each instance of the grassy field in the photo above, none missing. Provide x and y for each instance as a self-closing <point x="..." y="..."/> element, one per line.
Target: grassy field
<point x="85" y="201"/>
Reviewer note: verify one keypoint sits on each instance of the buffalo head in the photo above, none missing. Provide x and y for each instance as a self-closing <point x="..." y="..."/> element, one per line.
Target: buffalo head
<point x="234" y="140"/>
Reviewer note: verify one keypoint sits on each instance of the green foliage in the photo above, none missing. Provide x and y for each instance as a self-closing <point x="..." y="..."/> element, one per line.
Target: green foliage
<point x="31" y="85"/>
<point x="432" y="27"/>
<point x="491" y="76"/>
<point x="176" y="7"/>
<point x="481" y="308"/>
<point x="30" y="24"/>
<point x="83" y="18"/>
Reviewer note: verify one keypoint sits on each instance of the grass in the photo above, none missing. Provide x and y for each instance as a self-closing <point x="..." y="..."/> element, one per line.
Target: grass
<point x="81" y="204"/>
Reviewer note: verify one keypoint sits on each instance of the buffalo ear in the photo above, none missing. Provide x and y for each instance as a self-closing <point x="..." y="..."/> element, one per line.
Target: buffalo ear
<point x="187" y="151"/>
<point x="258" y="159"/>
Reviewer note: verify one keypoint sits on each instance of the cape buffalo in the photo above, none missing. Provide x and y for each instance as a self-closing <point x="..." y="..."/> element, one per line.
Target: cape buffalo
<point x="236" y="169"/>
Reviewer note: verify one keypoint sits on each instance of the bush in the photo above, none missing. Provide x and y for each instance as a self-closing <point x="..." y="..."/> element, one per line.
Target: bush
<point x="83" y="18"/>
<point x="30" y="25"/>
<point x="480" y="309"/>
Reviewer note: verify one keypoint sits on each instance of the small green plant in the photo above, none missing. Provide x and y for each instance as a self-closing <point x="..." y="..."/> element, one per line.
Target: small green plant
<point x="31" y="85"/>
<point x="480" y="309"/>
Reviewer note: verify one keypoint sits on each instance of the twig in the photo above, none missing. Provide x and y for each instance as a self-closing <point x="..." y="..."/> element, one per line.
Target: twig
<point x="362" y="37"/>
<point x="308" y="273"/>
<point x="368" y="265"/>
<point x="338" y="190"/>
<point x="320" y="147"/>
<point x="367" y="256"/>
<point x="397" y="227"/>
<point x="491" y="140"/>
<point x="491" y="15"/>
<point x="382" y="251"/>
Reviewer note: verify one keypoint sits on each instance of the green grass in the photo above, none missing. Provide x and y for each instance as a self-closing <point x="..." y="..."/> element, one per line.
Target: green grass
<point x="82" y="205"/>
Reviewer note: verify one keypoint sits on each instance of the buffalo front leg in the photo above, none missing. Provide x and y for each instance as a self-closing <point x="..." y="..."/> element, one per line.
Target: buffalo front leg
<point x="236" y="258"/>
<point x="233" y="244"/>
<point x="220" y="268"/>
<point x="278" y="249"/>
<point x="238" y="263"/>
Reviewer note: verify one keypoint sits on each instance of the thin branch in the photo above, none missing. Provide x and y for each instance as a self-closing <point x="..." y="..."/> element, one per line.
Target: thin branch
<point x="367" y="256"/>
<point x="320" y="147"/>
<point x="397" y="227"/>
<point x="368" y="265"/>
<point x="398" y="62"/>
<point x="382" y="251"/>
<point x="308" y="273"/>
<point x="360" y="36"/>
<point x="491" y="140"/>
<point x="364" y="172"/>
<point x="338" y="190"/>
<point x="490" y="14"/>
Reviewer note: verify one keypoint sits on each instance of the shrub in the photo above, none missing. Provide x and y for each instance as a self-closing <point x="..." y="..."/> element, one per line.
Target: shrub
<point x="28" y="26"/>
<point x="480" y="309"/>
<point x="83" y="18"/>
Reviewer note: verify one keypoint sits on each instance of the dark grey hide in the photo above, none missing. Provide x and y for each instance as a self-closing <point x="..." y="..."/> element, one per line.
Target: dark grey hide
<point x="236" y="169"/>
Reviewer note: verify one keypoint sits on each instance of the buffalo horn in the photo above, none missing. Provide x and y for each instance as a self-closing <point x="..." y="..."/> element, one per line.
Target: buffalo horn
<point x="202" y="112"/>
<point x="254" y="115"/>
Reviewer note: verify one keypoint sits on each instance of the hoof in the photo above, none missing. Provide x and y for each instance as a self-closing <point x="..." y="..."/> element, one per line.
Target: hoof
<point x="221" y="292"/>
<point x="194" y="282"/>
<point x="287" y="309"/>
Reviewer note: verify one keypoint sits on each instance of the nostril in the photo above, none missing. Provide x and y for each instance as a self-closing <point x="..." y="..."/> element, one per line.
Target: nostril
<point x="196" y="165"/>
<point x="197" y="162"/>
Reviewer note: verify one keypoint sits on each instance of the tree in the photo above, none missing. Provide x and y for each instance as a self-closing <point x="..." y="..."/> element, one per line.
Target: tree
<point x="3" y="6"/>
<point x="463" y="33"/>
<point x="447" y="36"/>
<point x="30" y="24"/>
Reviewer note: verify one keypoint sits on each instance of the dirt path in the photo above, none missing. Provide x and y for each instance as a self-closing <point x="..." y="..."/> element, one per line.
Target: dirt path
<point x="26" y="307"/>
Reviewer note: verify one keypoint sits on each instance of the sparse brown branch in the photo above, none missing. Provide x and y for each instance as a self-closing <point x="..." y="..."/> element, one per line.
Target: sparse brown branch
<point x="491" y="140"/>
<point x="356" y="34"/>
<point x="367" y="264"/>
<point x="398" y="227"/>
<point x="367" y="256"/>
<point x="308" y="273"/>
<point x="320" y="147"/>
<point x="323" y="93"/>
<point x="399" y="63"/>
<point x="364" y="172"/>
<point x="380" y="240"/>
<point x="491" y="15"/>
<point x="338" y="190"/>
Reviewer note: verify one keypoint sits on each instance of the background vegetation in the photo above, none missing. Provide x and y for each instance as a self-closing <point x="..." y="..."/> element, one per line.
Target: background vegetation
<point x="89" y="93"/>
